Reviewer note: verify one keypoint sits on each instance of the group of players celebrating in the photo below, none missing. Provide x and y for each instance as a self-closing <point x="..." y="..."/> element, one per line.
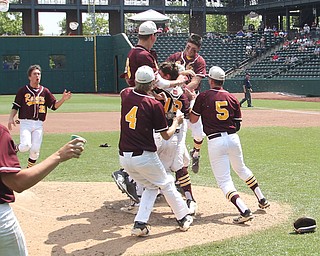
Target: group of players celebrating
<point x="160" y="104"/>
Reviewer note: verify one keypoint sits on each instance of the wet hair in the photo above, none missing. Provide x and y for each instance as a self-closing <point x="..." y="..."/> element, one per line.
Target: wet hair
<point x="195" y="39"/>
<point x="33" y="67"/>
<point x="170" y="68"/>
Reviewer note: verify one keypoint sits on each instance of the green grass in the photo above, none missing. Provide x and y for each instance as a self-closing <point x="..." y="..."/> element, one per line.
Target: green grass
<point x="285" y="161"/>
<point x="78" y="103"/>
<point x="101" y="103"/>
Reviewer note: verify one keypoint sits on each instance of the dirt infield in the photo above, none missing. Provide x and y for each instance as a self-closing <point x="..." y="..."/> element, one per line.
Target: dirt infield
<point x="85" y="218"/>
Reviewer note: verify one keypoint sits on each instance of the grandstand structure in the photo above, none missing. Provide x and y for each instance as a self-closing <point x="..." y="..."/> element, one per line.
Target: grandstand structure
<point x="92" y="63"/>
<point x="274" y="13"/>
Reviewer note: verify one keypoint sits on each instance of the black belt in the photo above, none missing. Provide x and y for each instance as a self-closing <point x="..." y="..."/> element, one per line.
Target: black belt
<point x="216" y="135"/>
<point x="134" y="153"/>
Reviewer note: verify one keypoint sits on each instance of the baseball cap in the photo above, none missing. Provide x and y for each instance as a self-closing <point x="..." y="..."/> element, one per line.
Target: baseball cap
<point x="148" y="28"/>
<point x="144" y="74"/>
<point x="217" y="73"/>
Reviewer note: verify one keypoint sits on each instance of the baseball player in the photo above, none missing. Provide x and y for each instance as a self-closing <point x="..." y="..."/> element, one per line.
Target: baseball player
<point x="221" y="117"/>
<point x="190" y="59"/>
<point x="31" y="102"/>
<point x="173" y="152"/>
<point x="13" y="178"/>
<point x="141" y="114"/>
<point x="140" y="55"/>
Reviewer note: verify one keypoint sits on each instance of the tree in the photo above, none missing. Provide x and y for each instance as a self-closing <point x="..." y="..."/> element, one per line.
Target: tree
<point x="99" y="23"/>
<point x="11" y="23"/>
<point x="216" y="23"/>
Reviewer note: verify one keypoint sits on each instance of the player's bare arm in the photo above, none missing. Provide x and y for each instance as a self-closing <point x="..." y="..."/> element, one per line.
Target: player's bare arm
<point x="195" y="81"/>
<point x="27" y="178"/>
<point x="193" y="118"/>
<point x="176" y="122"/>
<point x="65" y="96"/>
<point x="11" y="118"/>
<point x="188" y="72"/>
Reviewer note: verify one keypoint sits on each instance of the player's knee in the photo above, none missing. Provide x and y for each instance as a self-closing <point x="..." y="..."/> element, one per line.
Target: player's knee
<point x="24" y="147"/>
<point x="34" y="154"/>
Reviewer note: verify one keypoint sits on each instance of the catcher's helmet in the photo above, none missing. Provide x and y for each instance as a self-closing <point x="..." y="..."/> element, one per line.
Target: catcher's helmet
<point x="305" y="225"/>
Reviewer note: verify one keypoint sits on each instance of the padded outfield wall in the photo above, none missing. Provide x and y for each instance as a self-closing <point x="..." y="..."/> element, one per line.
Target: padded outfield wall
<point x="93" y="64"/>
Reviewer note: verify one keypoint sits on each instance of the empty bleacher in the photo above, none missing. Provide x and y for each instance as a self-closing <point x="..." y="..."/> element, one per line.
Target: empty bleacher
<point x="226" y="52"/>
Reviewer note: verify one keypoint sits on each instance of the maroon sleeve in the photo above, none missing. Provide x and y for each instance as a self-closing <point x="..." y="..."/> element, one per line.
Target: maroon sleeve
<point x="9" y="163"/>
<point x="138" y="57"/>
<point x="200" y="67"/>
<point x="50" y="99"/>
<point x="19" y="99"/>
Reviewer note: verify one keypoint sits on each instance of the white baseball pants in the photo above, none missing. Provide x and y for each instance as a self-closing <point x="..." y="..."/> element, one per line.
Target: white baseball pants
<point x="12" y="241"/>
<point x="31" y="133"/>
<point x="148" y="170"/>
<point x="223" y="151"/>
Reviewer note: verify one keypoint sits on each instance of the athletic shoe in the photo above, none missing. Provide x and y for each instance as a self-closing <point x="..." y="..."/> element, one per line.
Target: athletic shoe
<point x="140" y="229"/>
<point x="263" y="203"/>
<point x="244" y="217"/>
<point x="185" y="223"/>
<point x="132" y="208"/>
<point x="193" y="207"/>
<point x="195" y="162"/>
<point x="121" y="179"/>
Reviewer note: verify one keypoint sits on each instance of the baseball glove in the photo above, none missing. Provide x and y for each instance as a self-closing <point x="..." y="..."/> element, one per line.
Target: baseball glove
<point x="305" y="225"/>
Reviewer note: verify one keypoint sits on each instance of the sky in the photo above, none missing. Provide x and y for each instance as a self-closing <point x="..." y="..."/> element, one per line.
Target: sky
<point x="49" y="21"/>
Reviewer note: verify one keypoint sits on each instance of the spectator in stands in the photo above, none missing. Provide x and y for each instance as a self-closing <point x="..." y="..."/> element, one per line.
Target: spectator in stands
<point x="287" y="60"/>
<point x="240" y="33"/>
<point x="318" y="30"/>
<point x="306" y="29"/>
<point x="209" y="35"/>
<point x="316" y="52"/>
<point x="293" y="59"/>
<point x="286" y="45"/>
<point x="313" y="29"/>
<point x="275" y="57"/>
<point x="262" y="42"/>
<point x="248" y="49"/>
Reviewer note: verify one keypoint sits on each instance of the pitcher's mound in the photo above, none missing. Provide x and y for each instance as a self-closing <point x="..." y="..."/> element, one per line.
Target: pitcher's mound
<point x="84" y="218"/>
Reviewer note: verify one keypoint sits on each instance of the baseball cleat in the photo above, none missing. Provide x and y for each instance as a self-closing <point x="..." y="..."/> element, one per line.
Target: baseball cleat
<point x="193" y="207"/>
<point x="140" y="229"/>
<point x="185" y="223"/>
<point x="121" y="178"/>
<point x="244" y="217"/>
<point x="263" y="203"/>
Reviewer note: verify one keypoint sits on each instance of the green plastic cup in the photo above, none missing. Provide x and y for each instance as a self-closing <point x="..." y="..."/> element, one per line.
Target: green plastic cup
<point x="74" y="136"/>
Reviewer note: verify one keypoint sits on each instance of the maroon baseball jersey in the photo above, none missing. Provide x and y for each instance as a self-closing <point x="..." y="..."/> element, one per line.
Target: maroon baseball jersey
<point x="218" y="109"/>
<point x="137" y="57"/>
<point x="33" y="103"/>
<point x="9" y="163"/>
<point x="140" y="115"/>
<point x="175" y="100"/>
<point x="197" y="64"/>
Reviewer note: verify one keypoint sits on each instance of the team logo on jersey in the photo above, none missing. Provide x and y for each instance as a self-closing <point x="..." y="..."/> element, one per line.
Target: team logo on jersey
<point x="33" y="100"/>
